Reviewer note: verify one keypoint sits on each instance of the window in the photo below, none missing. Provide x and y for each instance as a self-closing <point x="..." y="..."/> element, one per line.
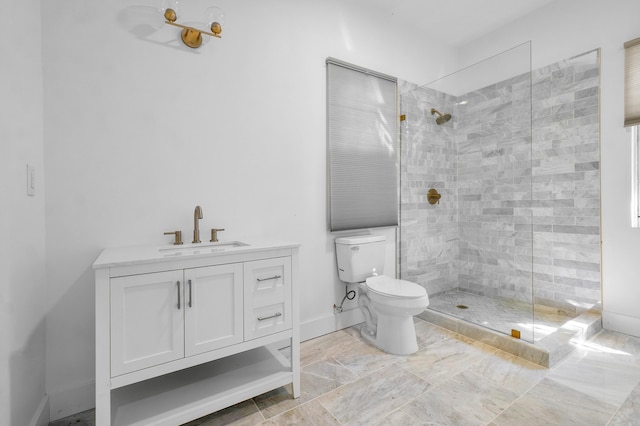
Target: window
<point x="632" y="82"/>
<point x="632" y="118"/>
<point x="635" y="193"/>
<point x="362" y="147"/>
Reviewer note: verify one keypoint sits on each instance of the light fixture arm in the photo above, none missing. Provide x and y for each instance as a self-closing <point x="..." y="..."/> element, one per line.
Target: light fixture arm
<point x="192" y="37"/>
<point x="186" y="27"/>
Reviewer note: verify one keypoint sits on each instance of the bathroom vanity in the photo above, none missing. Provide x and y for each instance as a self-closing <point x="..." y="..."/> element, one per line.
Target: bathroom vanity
<point x="183" y="331"/>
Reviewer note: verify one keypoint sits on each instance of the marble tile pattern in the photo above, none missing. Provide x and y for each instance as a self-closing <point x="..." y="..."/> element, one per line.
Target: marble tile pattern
<point x="501" y="315"/>
<point x="518" y="169"/>
<point x="451" y="380"/>
<point x="547" y="334"/>
<point x="428" y="233"/>
<point x="566" y="183"/>
<point x="493" y="134"/>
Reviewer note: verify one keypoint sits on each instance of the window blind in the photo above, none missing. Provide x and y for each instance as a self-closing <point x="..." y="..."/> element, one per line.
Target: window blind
<point x="362" y="147"/>
<point x="632" y="83"/>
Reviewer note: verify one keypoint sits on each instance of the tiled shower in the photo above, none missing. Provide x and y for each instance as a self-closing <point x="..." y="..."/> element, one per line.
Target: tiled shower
<point x="518" y="169"/>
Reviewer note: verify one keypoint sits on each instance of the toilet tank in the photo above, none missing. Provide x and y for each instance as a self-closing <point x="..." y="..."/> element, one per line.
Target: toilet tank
<point x="360" y="257"/>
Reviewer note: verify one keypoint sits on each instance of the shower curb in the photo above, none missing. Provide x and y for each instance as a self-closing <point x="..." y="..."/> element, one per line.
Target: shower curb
<point x="546" y="352"/>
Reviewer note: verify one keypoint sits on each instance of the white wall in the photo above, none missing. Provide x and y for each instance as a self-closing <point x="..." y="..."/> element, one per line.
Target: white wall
<point x="140" y="129"/>
<point x="22" y="280"/>
<point x="560" y="30"/>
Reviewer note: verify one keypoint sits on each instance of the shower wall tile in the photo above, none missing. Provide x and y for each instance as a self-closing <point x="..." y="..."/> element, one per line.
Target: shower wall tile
<point x="566" y="141"/>
<point x="518" y="169"/>
<point x="428" y="233"/>
<point x="494" y="185"/>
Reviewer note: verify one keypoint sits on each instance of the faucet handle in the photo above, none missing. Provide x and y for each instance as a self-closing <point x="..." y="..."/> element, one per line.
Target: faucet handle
<point x="178" y="239"/>
<point x="214" y="234"/>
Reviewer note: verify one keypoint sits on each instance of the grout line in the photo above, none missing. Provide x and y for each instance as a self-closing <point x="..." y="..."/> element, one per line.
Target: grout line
<point x="329" y="411"/>
<point x="259" y="410"/>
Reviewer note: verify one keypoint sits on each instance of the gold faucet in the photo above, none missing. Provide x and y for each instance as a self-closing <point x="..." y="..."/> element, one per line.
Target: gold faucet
<point x="178" y="238"/>
<point x="214" y="234"/>
<point x="197" y="214"/>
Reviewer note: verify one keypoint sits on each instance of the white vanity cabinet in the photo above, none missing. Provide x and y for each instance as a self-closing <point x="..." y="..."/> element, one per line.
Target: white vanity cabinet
<point x="146" y="327"/>
<point x="267" y="296"/>
<point x="213" y="306"/>
<point x="180" y="336"/>
<point x="164" y="316"/>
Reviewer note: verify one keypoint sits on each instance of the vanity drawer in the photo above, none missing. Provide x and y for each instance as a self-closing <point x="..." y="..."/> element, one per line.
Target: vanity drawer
<point x="267" y="297"/>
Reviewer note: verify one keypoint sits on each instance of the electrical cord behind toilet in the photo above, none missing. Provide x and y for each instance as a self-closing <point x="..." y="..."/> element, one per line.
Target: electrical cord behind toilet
<point x="349" y="294"/>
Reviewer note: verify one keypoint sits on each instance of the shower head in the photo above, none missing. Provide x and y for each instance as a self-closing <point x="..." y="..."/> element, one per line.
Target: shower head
<point x="442" y="118"/>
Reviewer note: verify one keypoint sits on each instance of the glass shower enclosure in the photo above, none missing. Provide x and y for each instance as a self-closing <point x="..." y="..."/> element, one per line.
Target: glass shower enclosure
<point x="468" y="137"/>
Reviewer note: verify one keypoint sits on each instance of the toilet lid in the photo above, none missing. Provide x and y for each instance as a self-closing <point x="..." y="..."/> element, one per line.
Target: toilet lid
<point x="388" y="286"/>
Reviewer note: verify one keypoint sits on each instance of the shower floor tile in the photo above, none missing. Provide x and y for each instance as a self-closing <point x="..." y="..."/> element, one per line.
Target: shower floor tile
<point x="500" y="315"/>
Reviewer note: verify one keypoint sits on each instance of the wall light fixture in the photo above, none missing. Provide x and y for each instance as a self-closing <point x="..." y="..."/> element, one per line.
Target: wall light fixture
<point x="192" y="36"/>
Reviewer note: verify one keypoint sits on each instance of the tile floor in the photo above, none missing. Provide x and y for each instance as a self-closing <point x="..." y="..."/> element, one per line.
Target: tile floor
<point x="451" y="380"/>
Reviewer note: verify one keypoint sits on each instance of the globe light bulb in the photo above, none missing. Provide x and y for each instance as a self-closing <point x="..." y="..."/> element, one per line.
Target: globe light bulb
<point x="215" y="19"/>
<point x="170" y="9"/>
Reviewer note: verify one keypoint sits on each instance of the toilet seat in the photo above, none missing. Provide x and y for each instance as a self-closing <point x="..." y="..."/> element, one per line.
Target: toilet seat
<point x="391" y="287"/>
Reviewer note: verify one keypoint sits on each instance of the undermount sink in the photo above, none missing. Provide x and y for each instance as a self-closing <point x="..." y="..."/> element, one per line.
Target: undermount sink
<point x="200" y="248"/>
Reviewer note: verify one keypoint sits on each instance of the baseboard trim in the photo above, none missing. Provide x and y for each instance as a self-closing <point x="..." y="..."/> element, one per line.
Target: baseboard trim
<point x="73" y="400"/>
<point x="621" y="323"/>
<point x="41" y="416"/>
<point x="330" y="323"/>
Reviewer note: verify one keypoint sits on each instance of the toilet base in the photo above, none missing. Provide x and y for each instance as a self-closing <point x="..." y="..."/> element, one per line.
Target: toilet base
<point x="395" y="335"/>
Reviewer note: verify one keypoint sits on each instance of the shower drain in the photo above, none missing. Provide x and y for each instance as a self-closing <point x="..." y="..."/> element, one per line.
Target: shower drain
<point x="462" y="307"/>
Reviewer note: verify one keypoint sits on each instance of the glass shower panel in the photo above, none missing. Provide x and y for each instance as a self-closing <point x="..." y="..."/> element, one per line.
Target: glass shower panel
<point x="472" y="249"/>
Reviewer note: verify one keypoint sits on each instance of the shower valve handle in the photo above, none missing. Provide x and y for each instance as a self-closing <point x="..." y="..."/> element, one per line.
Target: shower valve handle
<point x="433" y="197"/>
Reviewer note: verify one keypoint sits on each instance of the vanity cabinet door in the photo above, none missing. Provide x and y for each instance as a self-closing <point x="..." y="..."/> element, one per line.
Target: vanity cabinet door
<point x="146" y="320"/>
<point x="267" y="297"/>
<point x="213" y="307"/>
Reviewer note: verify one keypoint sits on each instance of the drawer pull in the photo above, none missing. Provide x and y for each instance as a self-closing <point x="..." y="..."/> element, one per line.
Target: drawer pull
<point x="275" y="277"/>
<point x="277" y="314"/>
<point x="178" y="283"/>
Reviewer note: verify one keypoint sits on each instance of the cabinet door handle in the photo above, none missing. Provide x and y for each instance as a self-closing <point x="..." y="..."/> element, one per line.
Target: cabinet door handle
<point x="178" y="284"/>
<point x="277" y="314"/>
<point x="190" y="295"/>
<point x="275" y="277"/>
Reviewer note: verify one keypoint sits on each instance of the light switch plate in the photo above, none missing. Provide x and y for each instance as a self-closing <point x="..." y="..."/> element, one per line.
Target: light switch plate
<point x="31" y="180"/>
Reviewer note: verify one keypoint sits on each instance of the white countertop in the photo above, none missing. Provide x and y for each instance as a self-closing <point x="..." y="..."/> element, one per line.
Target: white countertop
<point x="162" y="253"/>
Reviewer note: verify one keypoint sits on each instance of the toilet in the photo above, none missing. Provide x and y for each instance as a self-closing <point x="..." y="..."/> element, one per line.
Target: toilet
<point x="388" y="304"/>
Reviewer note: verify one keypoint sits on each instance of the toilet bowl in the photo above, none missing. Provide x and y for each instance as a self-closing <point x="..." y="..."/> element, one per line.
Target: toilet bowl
<point x="388" y="304"/>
